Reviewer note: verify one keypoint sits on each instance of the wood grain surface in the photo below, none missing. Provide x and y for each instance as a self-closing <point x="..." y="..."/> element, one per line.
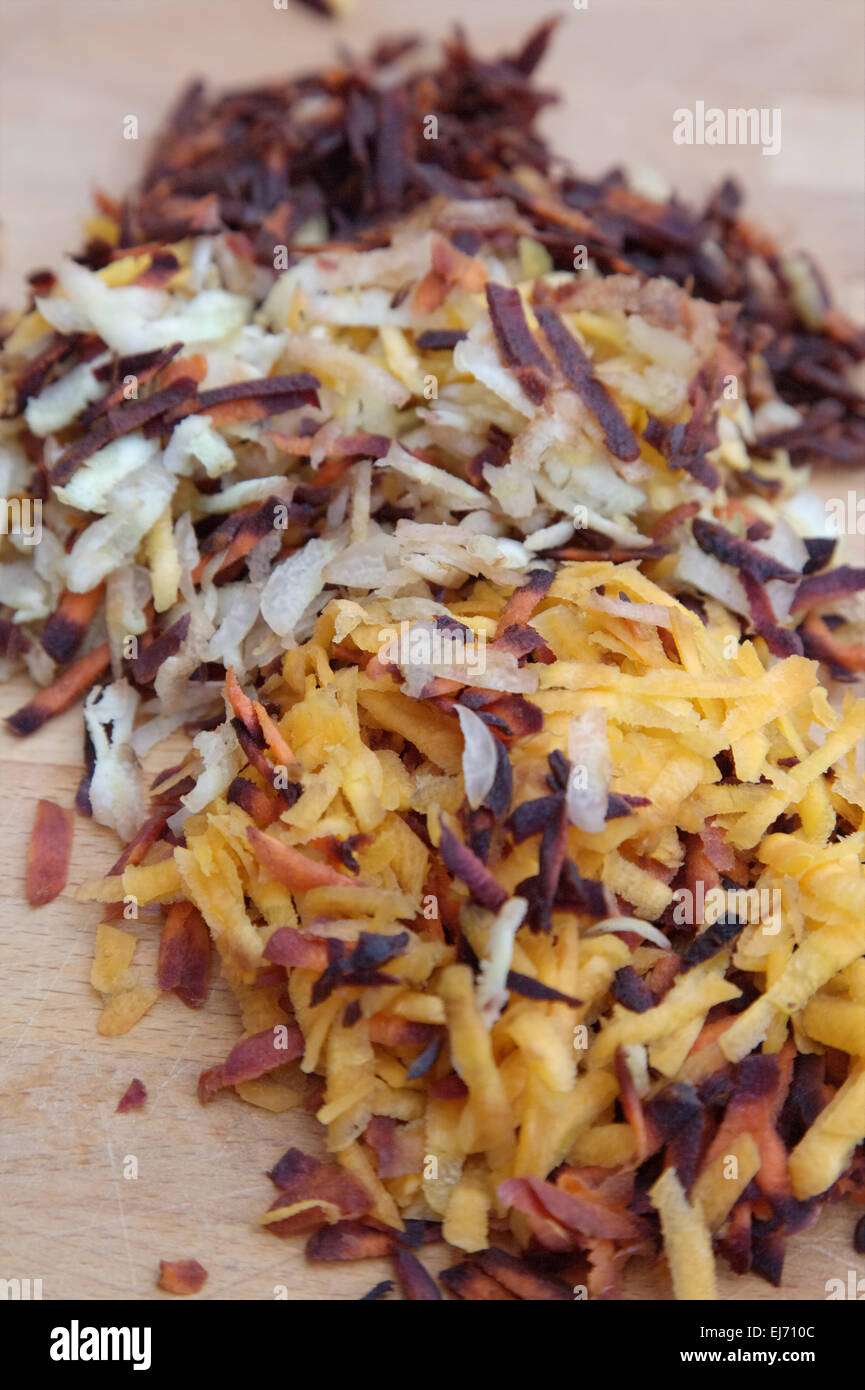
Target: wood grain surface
<point x="70" y="75"/>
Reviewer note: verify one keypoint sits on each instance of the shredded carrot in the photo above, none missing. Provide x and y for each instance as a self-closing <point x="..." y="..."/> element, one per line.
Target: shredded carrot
<point x="631" y="1106"/>
<point x="332" y="469"/>
<point x="240" y="703"/>
<point x="430" y="294"/>
<point x="65" y="629"/>
<point x="736" y="507"/>
<point x="263" y="807"/>
<point x="710" y="1032"/>
<point x="674" y="517"/>
<point x="48" y="853"/>
<point x="756" y="1115"/>
<point x="194" y="366"/>
<point x="519" y="607"/>
<point x="297" y="871"/>
<point x="56" y="698"/>
<point x="277" y="744"/>
<point x="292" y="444"/>
<point x="848" y="654"/>
<point x="353" y="657"/>
<point x="235" y="412"/>
<point x="393" y="1031"/>
<point x="244" y="541"/>
<point x="440" y="686"/>
<point x="134" y="853"/>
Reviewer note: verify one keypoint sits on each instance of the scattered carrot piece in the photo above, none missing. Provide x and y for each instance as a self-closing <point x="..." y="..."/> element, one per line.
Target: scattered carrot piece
<point x="181" y="1276"/>
<point x="48" y="853"/>
<point x="133" y="1097"/>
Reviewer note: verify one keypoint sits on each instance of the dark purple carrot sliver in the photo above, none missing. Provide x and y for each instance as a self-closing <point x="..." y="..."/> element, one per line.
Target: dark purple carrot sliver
<point x="251" y="1058"/>
<point x="133" y="1097"/>
<point x="631" y="991"/>
<point x="577" y="369"/>
<point x="781" y="641"/>
<point x="144" y="366"/>
<point x="531" y="817"/>
<point x="820" y="551"/>
<point x="66" y="628"/>
<point x="377" y="1292"/>
<point x="183" y="964"/>
<point x="424" y="1060"/>
<point x="717" y="541"/>
<point x="465" y="865"/>
<point x="437" y="339"/>
<point x="297" y="383"/>
<point x="828" y="587"/>
<point x="516" y="342"/>
<point x="531" y="988"/>
<point x="120" y="420"/>
<point x="418" y="1284"/>
<point x="168" y="643"/>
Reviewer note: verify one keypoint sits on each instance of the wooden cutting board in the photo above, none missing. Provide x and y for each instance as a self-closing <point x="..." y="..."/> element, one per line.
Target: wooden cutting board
<point x="70" y="1216"/>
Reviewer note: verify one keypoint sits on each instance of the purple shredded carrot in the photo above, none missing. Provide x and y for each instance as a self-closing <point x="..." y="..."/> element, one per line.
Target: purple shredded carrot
<point x="834" y="584"/>
<point x="515" y="340"/>
<point x="120" y="420"/>
<point x="465" y="865"/>
<point x="781" y="641"/>
<point x="717" y="541"/>
<point x="577" y="369"/>
<point x="168" y="643"/>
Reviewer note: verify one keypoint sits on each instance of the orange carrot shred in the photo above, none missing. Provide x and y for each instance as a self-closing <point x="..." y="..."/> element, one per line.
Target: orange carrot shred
<point x="181" y="1276"/>
<point x="48" y="853"/>
<point x="240" y="703"/>
<point x="292" y="444"/>
<point x="331" y="470"/>
<point x="56" y="698"/>
<point x="277" y="744"/>
<point x="194" y="366"/>
<point x="65" y="629"/>
<point x="234" y="412"/>
<point x="297" y="871"/>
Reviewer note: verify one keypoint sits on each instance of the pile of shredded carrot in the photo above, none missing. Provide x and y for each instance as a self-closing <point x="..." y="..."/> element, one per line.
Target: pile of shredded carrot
<point x="599" y="1074"/>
